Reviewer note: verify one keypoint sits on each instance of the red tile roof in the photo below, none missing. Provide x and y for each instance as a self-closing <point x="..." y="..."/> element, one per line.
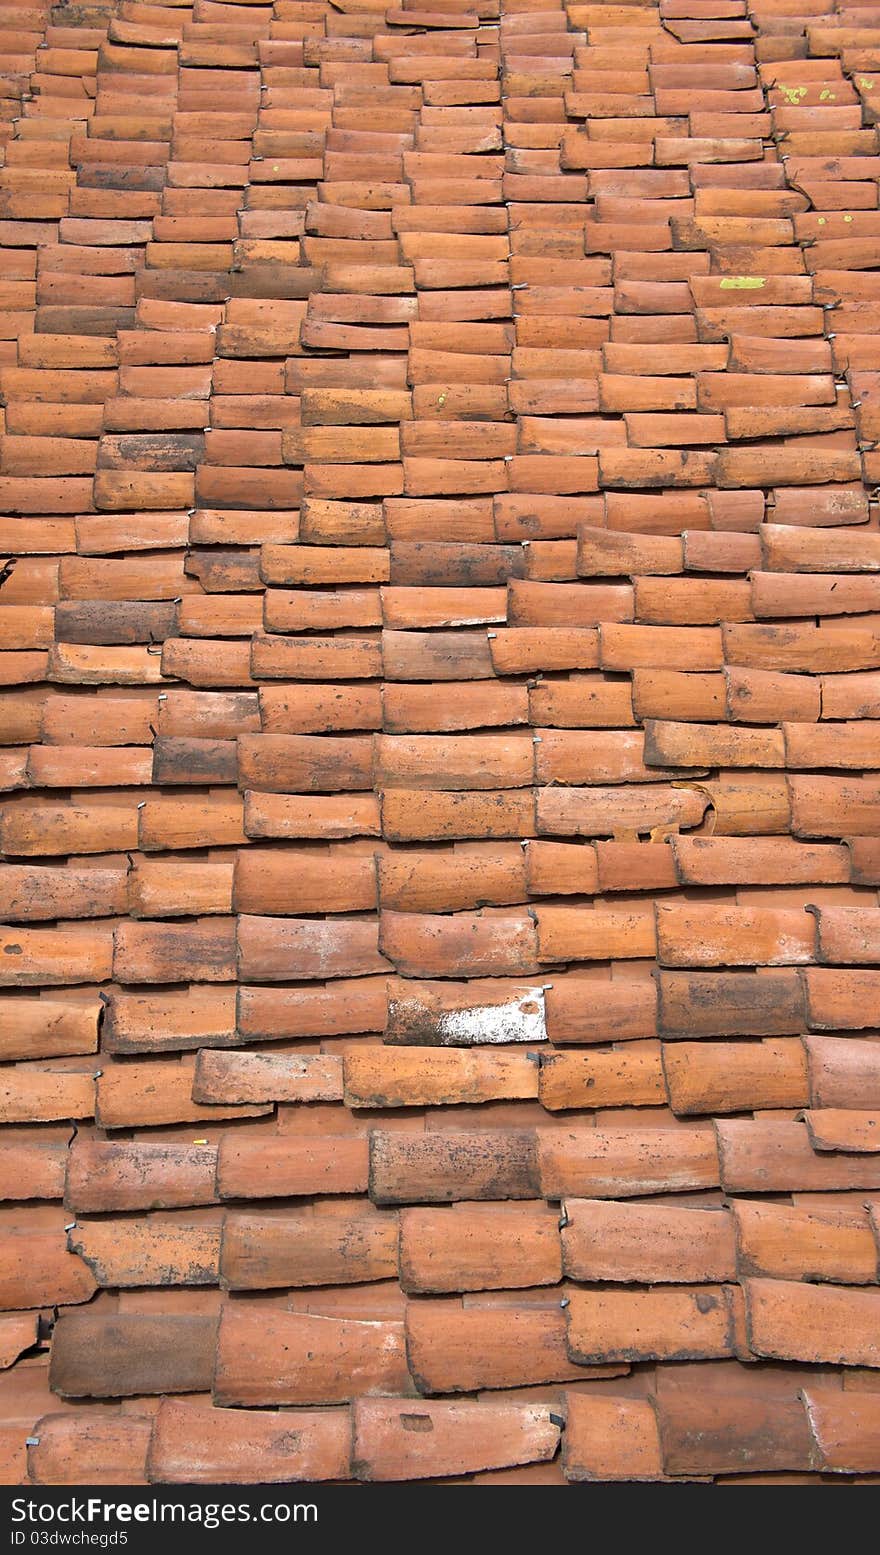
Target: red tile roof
<point x="440" y="639"/>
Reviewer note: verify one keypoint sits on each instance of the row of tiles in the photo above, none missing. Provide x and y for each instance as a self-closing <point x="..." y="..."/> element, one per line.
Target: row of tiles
<point x="629" y="468"/>
<point x="349" y="877"/>
<point x="48" y="718"/>
<point x="495" y="943"/>
<point x="691" y="1079"/>
<point x="715" y="322"/>
<point x="810" y="807"/>
<point x="403" y="1163"/>
<point x="772" y="549"/>
<point x="83" y="623"/>
<point x="580" y="1006"/>
<point x="502" y="520"/>
<point x="706" y="378"/>
<point x="517" y="1250"/>
<point x="539" y="645"/>
<point x="259" y="1354"/>
<point x="303" y="764"/>
<point x="686" y="1435"/>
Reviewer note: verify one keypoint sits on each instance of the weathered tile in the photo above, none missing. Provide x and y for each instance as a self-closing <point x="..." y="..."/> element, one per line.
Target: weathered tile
<point x="191" y="1444"/>
<point x="417" y="1440"/>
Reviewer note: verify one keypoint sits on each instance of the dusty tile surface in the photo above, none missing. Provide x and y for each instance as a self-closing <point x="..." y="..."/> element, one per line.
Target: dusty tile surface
<point x="440" y="629"/>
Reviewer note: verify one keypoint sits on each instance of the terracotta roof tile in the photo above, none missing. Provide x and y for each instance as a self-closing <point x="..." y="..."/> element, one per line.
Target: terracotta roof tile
<point x="700" y="1079"/>
<point x="38" y="1271"/>
<point x="306" y="1249"/>
<point x="730" y="1003"/>
<point x="389" y="1440"/>
<point x="777" y="1241"/>
<point x="820" y="1323"/>
<point x="625" y="1163"/>
<point x="657" y="1324"/>
<point x="478" y="1248"/>
<point x="452" y="1350"/>
<point x="776" y="1157"/>
<point x="843" y="1071"/>
<point x="155" y="1252"/>
<point x="137" y="1355"/>
<point x="327" y="1360"/>
<point x="121" y="1175"/>
<point x="191" y="1443"/>
<point x="604" y="1241"/>
<point x="704" y="1433"/>
<point x="611" y="1439"/>
<point x="67" y="1446"/>
<point x="843" y="1429"/>
<point x="274" y="1166"/>
<point x="835" y="1128"/>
